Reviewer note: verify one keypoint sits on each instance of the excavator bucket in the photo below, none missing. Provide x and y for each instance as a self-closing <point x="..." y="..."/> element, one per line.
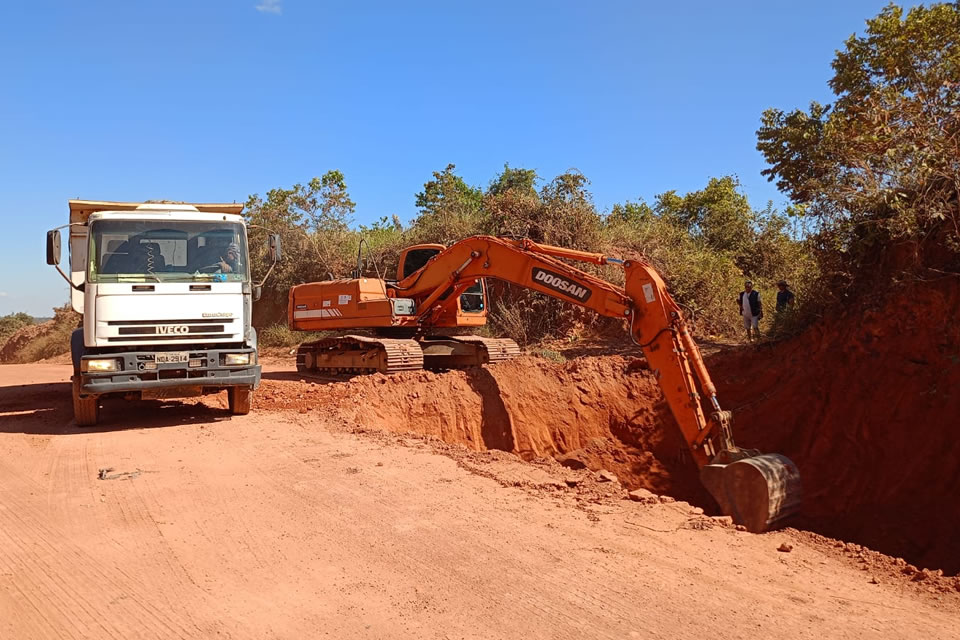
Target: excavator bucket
<point x="757" y="490"/>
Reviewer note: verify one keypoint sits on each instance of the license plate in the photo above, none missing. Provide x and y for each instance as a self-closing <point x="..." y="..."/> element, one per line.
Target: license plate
<point x="176" y="356"/>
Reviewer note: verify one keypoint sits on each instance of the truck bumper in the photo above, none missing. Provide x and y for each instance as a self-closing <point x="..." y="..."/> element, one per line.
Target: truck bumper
<point x="140" y="372"/>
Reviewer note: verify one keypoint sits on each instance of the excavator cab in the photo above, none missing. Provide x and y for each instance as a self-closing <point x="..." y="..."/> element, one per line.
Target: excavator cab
<point x="471" y="309"/>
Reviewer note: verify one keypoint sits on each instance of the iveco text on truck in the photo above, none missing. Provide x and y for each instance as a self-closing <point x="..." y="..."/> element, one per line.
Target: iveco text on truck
<point x="166" y="296"/>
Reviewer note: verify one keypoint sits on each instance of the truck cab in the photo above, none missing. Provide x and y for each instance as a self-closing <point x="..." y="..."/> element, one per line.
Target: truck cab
<point x="166" y="296"/>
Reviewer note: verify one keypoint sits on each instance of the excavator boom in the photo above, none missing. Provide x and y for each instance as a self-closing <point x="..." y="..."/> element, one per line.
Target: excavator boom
<point x="757" y="490"/>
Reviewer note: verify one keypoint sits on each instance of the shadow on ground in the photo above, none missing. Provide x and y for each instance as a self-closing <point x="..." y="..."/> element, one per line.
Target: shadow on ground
<point x="47" y="409"/>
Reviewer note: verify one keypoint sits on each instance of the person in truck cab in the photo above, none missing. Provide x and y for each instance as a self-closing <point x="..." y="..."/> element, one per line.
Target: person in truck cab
<point x="219" y="258"/>
<point x="230" y="260"/>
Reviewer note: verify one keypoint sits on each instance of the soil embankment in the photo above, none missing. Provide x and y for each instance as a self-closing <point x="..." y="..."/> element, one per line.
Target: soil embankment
<point x="867" y="405"/>
<point x="595" y="412"/>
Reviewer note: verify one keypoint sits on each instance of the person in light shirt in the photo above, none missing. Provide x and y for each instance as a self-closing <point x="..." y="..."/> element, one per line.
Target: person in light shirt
<point x="751" y="309"/>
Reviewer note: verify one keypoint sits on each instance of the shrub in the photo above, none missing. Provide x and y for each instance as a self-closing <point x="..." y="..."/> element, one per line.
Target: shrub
<point x="11" y="323"/>
<point x="703" y="243"/>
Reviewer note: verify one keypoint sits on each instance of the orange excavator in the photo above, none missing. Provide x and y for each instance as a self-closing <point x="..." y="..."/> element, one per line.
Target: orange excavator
<point x="404" y="340"/>
<point x="440" y="287"/>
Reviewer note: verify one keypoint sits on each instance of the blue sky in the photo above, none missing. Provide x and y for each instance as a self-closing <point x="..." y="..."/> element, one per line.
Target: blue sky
<point x="213" y="101"/>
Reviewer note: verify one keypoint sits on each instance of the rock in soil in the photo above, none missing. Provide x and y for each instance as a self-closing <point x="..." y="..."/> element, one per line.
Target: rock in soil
<point x="606" y="476"/>
<point x="644" y="497"/>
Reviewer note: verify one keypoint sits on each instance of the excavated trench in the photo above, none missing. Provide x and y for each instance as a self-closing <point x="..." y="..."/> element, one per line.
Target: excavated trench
<point x="865" y="405"/>
<point x="868" y="406"/>
<point x="589" y="412"/>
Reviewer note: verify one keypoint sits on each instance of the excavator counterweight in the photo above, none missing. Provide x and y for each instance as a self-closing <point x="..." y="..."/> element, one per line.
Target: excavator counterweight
<point x="444" y="287"/>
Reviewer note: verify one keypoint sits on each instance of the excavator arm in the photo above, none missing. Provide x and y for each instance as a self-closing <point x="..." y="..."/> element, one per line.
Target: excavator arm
<point x="757" y="490"/>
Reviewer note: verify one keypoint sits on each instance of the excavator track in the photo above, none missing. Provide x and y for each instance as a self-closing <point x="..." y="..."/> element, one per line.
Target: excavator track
<point x="497" y="349"/>
<point x="460" y="352"/>
<point x="351" y="355"/>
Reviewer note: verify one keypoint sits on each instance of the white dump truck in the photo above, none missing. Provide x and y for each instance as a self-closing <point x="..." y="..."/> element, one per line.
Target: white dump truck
<point x="166" y="296"/>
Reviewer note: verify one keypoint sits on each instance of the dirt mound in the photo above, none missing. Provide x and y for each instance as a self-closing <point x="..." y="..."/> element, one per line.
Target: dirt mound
<point x="594" y="412"/>
<point x="867" y="406"/>
<point x="36" y="342"/>
<point x="18" y="342"/>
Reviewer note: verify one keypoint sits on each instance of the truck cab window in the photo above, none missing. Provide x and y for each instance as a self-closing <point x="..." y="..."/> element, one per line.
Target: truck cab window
<point x="128" y="251"/>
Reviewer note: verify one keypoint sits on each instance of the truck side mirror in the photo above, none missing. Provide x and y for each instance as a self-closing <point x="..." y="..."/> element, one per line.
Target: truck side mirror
<point x="53" y="247"/>
<point x="257" y="292"/>
<point x="274" y="247"/>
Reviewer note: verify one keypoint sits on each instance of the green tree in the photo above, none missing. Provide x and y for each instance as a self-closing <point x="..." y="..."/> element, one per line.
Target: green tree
<point x="631" y="212"/>
<point x="719" y="215"/>
<point x="313" y="221"/>
<point x="13" y="322"/>
<point x="569" y="217"/>
<point x="511" y="203"/>
<point x="450" y="209"/>
<point x="331" y="207"/>
<point x="883" y="161"/>
<point x="520" y="181"/>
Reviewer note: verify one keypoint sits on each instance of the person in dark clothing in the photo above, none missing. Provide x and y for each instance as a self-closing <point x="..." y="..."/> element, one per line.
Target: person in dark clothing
<point x="784" y="296"/>
<point x="751" y="309"/>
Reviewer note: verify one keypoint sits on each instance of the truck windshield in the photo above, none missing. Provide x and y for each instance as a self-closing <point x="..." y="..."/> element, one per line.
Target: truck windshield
<point x="166" y="250"/>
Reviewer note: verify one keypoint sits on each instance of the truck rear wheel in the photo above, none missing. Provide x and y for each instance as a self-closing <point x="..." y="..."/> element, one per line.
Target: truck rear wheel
<point x="239" y="399"/>
<point x="86" y="409"/>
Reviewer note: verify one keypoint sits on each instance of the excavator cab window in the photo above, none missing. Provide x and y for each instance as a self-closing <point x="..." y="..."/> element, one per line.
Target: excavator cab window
<point x="471" y="301"/>
<point x="415" y="259"/>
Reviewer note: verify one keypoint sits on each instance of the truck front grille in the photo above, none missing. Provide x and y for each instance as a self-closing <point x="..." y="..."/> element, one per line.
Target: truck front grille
<point x="161" y="329"/>
<point x="153" y="331"/>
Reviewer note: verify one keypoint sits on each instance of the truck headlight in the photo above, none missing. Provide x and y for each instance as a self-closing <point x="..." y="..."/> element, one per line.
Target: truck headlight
<point x="234" y="359"/>
<point x="102" y="364"/>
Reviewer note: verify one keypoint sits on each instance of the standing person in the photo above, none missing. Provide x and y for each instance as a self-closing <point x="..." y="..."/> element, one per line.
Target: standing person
<point x="784" y="296"/>
<point x="751" y="309"/>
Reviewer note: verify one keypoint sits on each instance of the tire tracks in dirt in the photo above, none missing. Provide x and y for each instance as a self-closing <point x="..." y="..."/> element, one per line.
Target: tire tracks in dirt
<point x="451" y="562"/>
<point x="70" y="590"/>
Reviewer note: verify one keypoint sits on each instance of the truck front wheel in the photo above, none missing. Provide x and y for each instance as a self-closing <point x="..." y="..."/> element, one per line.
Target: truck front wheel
<point x="86" y="409"/>
<point x="239" y="399"/>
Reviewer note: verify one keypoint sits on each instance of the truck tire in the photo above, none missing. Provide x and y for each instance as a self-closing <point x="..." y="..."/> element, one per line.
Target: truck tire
<point x="76" y="349"/>
<point x="239" y="399"/>
<point x="86" y="410"/>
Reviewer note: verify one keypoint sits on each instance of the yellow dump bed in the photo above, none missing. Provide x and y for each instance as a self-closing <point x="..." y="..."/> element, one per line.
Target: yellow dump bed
<point x="80" y="210"/>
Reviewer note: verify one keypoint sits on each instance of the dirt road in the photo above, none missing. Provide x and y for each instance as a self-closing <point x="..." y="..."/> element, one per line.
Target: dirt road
<point x="180" y="521"/>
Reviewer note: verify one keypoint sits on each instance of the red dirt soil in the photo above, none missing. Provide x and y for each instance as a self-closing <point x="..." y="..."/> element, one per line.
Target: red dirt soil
<point x="594" y="412"/>
<point x="867" y="406"/>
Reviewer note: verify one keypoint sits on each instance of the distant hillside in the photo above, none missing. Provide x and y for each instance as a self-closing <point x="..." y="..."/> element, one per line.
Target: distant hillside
<point x="43" y="339"/>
